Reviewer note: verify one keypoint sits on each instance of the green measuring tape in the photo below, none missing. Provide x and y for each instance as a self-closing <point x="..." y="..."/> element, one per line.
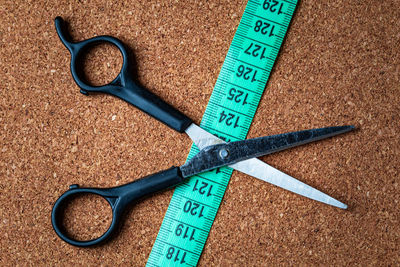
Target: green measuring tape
<point x="229" y="113"/>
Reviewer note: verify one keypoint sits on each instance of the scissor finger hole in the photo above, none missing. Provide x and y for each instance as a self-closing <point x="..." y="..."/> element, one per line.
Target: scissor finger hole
<point x="86" y="217"/>
<point x="101" y="64"/>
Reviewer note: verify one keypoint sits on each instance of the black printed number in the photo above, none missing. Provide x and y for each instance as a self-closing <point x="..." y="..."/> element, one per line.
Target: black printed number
<point x="203" y="188"/>
<point x="173" y="253"/>
<point x="246" y="73"/>
<point x="193" y="208"/>
<point x="229" y="119"/>
<point x="238" y="96"/>
<point x="273" y="6"/>
<point x="256" y="51"/>
<point x="185" y="232"/>
<point x="264" y="28"/>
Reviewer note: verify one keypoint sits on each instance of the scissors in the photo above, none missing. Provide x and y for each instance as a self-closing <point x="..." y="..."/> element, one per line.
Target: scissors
<point x="213" y="151"/>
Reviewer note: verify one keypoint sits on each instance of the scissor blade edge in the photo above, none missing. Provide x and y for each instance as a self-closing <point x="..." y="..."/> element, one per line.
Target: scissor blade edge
<point x="259" y="169"/>
<point x="260" y="146"/>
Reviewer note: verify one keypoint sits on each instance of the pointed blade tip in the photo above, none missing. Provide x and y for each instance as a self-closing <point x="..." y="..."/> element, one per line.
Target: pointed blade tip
<point x="337" y="204"/>
<point x="337" y="130"/>
<point x="350" y="127"/>
<point x="344" y="128"/>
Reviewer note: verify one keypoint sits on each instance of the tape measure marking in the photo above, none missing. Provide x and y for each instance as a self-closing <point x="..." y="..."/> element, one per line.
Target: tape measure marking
<point x="229" y="113"/>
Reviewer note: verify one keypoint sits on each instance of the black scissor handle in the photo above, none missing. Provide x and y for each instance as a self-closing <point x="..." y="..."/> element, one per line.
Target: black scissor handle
<point x="123" y="86"/>
<point x="119" y="199"/>
<point x="77" y="49"/>
<point x="58" y="208"/>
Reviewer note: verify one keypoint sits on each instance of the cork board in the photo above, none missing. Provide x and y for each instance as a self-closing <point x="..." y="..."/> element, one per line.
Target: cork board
<point x="340" y="64"/>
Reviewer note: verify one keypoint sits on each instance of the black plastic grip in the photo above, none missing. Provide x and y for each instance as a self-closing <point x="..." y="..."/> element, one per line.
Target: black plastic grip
<point x="119" y="199"/>
<point x="123" y="86"/>
<point x="153" y="105"/>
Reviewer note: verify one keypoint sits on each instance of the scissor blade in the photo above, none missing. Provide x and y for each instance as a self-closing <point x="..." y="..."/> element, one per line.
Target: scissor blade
<point x="260" y="146"/>
<point x="201" y="138"/>
<point x="224" y="154"/>
<point x="263" y="171"/>
<point x="258" y="169"/>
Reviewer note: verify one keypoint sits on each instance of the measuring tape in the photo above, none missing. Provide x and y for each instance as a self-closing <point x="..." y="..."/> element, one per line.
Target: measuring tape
<point x="229" y="113"/>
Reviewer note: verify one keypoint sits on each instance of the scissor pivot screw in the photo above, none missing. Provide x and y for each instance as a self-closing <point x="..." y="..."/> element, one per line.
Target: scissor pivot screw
<point x="223" y="153"/>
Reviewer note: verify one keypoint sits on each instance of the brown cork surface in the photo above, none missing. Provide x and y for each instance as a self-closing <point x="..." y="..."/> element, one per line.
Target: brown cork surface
<point x="340" y="64"/>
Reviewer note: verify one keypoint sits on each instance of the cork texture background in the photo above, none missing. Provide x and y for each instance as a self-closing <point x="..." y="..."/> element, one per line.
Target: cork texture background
<point x="340" y="64"/>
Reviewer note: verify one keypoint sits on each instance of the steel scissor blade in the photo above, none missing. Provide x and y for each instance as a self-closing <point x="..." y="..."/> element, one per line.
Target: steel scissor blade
<point x="258" y="169"/>
<point x="260" y="146"/>
<point x="225" y="154"/>
<point x="263" y="171"/>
